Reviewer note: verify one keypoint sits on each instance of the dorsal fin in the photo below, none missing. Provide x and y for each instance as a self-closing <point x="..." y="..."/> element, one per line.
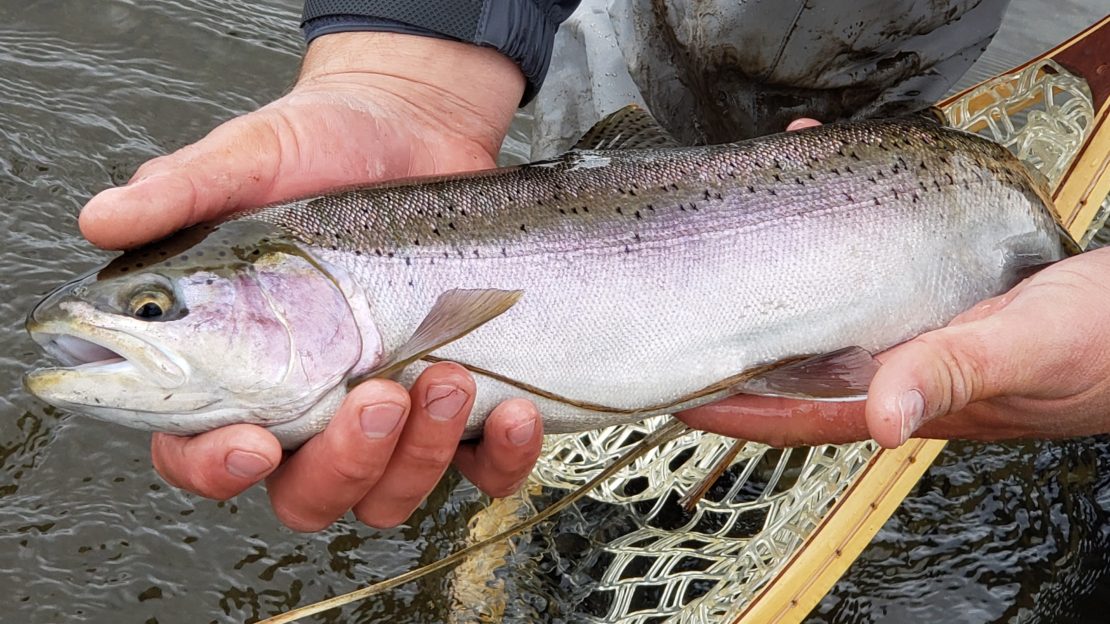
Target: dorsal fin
<point x="628" y="128"/>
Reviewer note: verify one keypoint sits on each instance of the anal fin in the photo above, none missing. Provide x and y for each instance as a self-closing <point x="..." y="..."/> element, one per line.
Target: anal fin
<point x="842" y="375"/>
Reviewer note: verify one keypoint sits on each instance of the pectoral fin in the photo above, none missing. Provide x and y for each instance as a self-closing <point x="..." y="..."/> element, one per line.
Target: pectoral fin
<point x="842" y="375"/>
<point x="455" y="314"/>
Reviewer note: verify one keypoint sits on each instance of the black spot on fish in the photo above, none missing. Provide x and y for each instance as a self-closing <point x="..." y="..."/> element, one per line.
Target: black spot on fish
<point x="798" y="181"/>
<point x="408" y="261"/>
<point x="451" y="224"/>
<point x="772" y="191"/>
<point x="778" y="178"/>
<point x="638" y="215"/>
<point x="619" y="211"/>
<point x="751" y="189"/>
<point x="523" y="228"/>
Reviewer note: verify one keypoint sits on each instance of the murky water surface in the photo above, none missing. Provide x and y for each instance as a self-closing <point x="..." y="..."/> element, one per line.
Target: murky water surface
<point x="89" y="90"/>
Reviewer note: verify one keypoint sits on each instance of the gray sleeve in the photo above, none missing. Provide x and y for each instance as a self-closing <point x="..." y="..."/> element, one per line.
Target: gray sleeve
<point x="523" y="30"/>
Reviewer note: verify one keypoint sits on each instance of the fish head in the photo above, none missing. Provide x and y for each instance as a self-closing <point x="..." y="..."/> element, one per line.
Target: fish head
<point x="220" y="324"/>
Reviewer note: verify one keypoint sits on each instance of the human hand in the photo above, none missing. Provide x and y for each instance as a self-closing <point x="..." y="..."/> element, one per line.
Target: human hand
<point x="367" y="107"/>
<point x="1031" y="363"/>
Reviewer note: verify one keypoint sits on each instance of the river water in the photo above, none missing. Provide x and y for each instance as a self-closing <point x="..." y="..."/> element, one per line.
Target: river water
<point x="88" y="532"/>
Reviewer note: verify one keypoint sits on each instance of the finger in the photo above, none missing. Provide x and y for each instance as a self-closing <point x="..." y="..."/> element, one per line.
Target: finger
<point x="780" y="422"/>
<point x="334" y="469"/>
<point x="441" y="399"/>
<point x="803" y="122"/>
<point x="511" y="443"/>
<point x="946" y="370"/>
<point x="218" y="464"/>
<point x="234" y="166"/>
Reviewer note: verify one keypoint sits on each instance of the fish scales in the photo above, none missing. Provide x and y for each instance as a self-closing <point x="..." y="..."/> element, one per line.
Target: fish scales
<point x="607" y="285"/>
<point x="650" y="274"/>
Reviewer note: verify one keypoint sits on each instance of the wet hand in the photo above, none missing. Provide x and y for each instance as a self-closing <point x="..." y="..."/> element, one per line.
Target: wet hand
<point x="384" y="451"/>
<point x="1031" y="363"/>
<point x="367" y="107"/>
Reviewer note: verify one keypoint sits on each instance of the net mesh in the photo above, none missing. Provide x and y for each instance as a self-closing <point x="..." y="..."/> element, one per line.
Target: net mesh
<point x="708" y="565"/>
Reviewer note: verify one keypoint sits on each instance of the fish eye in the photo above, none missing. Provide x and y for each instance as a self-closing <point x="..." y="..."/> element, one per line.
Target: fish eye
<point x="150" y="304"/>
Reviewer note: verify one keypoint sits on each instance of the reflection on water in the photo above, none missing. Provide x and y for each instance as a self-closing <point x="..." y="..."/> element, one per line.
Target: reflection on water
<point x="87" y="530"/>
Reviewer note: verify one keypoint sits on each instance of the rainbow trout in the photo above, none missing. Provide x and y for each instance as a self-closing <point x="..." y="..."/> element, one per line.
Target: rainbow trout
<point x="629" y="277"/>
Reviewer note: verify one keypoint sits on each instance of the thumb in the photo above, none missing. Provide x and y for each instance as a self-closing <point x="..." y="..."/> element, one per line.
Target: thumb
<point x="234" y="166"/>
<point x="941" y="372"/>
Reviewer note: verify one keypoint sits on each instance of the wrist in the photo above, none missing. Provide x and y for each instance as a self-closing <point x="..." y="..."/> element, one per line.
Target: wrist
<point x="468" y="89"/>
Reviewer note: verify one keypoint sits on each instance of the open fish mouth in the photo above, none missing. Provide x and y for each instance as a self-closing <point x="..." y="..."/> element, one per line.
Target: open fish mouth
<point x="75" y="352"/>
<point x="85" y="350"/>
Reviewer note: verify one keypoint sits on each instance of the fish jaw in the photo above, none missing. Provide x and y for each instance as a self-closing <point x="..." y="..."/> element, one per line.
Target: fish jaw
<point x="147" y="385"/>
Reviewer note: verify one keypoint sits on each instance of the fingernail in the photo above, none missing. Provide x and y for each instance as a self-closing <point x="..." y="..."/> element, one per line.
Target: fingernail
<point x="247" y="465"/>
<point x="911" y="410"/>
<point x="380" y="420"/>
<point x="522" y="433"/>
<point x="444" y="402"/>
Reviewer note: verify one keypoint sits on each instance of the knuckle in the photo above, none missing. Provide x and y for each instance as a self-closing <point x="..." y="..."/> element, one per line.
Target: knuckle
<point x="357" y="471"/>
<point x="426" y="456"/>
<point x="959" y="371"/>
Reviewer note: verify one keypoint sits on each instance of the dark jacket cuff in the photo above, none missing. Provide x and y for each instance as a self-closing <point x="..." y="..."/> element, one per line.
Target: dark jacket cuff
<point x="523" y="30"/>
